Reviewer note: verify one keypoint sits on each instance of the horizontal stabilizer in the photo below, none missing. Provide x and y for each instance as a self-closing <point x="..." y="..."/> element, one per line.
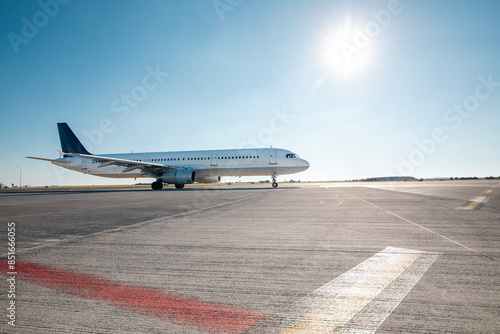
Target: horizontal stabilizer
<point x="51" y="160"/>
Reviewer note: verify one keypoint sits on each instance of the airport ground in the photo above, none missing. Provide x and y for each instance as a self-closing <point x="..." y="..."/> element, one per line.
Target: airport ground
<point x="385" y="257"/>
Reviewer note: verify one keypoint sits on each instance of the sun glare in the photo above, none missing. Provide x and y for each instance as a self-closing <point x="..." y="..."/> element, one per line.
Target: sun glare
<point x="347" y="51"/>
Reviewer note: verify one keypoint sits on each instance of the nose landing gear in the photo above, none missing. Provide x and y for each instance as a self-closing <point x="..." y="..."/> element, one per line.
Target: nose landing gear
<point x="275" y="184"/>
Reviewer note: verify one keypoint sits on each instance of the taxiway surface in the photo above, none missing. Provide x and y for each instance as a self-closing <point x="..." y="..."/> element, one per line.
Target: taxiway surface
<point x="412" y="257"/>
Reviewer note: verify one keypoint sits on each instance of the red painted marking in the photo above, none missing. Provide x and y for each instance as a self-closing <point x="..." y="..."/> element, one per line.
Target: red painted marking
<point x="153" y="302"/>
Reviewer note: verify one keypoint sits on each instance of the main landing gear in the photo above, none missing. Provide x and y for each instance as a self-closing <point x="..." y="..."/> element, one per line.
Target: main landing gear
<point x="158" y="185"/>
<point x="275" y="184"/>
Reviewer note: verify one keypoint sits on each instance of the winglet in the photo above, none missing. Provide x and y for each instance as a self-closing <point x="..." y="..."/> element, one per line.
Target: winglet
<point x="69" y="142"/>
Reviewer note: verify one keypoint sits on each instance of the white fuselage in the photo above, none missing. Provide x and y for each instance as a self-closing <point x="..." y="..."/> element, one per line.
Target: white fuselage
<point x="210" y="163"/>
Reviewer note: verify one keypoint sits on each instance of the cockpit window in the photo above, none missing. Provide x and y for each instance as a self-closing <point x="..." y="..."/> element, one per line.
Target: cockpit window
<point x="292" y="155"/>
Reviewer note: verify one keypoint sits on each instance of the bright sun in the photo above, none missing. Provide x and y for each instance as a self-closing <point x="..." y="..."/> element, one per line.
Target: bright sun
<point x="347" y="51"/>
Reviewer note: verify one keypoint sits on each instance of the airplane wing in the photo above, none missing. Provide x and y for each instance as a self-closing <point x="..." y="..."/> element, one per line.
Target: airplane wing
<point x="154" y="169"/>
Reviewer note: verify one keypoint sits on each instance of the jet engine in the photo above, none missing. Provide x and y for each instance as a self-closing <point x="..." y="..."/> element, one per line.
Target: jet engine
<point x="179" y="176"/>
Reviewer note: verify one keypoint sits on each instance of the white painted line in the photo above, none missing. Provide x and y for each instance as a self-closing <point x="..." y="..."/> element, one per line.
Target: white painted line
<point x="478" y="199"/>
<point x="374" y="315"/>
<point x="475" y="203"/>
<point x="342" y="302"/>
<point x="418" y="225"/>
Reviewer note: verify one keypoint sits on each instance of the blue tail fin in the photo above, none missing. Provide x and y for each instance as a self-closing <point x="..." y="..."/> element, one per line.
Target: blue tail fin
<point x="69" y="142"/>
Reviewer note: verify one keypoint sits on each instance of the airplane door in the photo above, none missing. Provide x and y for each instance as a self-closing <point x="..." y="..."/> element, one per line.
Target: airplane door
<point x="273" y="157"/>
<point x="214" y="160"/>
<point x="147" y="159"/>
<point x="84" y="164"/>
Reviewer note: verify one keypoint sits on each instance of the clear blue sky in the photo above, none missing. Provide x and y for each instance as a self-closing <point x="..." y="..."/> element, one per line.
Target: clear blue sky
<point x="364" y="88"/>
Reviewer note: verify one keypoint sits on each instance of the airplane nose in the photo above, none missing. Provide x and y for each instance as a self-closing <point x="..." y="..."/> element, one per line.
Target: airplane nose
<point x="305" y="163"/>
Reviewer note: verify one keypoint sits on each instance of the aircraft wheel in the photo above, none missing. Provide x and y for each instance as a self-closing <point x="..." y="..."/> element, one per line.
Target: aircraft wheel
<point x="179" y="186"/>
<point x="157" y="185"/>
<point x="275" y="184"/>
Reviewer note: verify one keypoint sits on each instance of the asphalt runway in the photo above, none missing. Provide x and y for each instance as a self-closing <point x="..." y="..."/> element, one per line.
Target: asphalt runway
<point x="408" y="257"/>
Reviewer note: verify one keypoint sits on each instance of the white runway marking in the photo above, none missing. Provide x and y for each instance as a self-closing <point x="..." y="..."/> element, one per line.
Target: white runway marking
<point x="357" y="301"/>
<point x="418" y="225"/>
<point x="475" y="203"/>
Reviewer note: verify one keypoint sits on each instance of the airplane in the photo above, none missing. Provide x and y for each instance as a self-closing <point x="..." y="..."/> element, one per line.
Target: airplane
<point x="178" y="168"/>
